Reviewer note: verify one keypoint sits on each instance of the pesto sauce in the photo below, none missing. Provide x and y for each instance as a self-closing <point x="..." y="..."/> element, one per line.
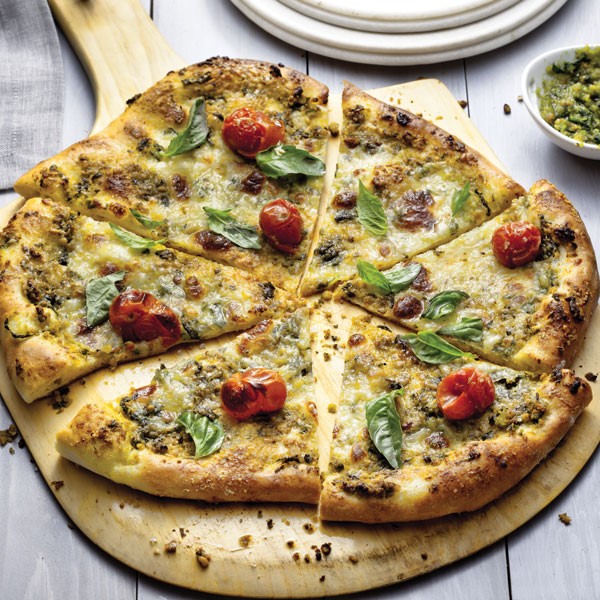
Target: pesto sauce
<point x="569" y="99"/>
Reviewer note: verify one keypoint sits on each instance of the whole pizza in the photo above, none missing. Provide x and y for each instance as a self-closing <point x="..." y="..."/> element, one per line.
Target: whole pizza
<point x="202" y="213"/>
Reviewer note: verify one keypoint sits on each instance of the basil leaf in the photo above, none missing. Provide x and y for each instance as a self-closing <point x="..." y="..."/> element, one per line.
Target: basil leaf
<point x="207" y="435"/>
<point x="281" y="160"/>
<point x="459" y="198"/>
<point x="99" y="294"/>
<point x="137" y="242"/>
<point x="146" y="221"/>
<point x="432" y="349"/>
<point x="221" y="222"/>
<point x="370" y="212"/>
<point x="468" y="328"/>
<point x="383" y="423"/>
<point x="389" y="282"/>
<point x="443" y="304"/>
<point x="195" y="133"/>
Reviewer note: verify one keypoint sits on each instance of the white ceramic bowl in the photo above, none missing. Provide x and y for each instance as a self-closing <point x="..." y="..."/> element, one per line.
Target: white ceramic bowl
<point x="531" y="80"/>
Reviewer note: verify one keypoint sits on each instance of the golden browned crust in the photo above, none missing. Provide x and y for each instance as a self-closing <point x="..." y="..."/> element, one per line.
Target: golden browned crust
<point x="564" y="316"/>
<point x="473" y="475"/>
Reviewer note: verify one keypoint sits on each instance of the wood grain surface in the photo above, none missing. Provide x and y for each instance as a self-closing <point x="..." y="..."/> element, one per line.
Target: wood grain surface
<point x="41" y="558"/>
<point x="284" y="557"/>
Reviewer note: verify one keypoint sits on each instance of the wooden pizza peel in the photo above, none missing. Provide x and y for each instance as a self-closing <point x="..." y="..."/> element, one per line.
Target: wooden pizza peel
<point x="280" y="551"/>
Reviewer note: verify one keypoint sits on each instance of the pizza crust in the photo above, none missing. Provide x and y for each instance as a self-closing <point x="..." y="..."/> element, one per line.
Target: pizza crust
<point x="564" y="317"/>
<point x="100" y="440"/>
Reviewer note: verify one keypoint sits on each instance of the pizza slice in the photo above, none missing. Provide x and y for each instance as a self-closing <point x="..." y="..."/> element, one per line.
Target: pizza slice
<point x="78" y="294"/>
<point x="416" y="441"/>
<point x="225" y="155"/>
<point x="234" y="425"/>
<point x="402" y="186"/>
<point x="519" y="290"/>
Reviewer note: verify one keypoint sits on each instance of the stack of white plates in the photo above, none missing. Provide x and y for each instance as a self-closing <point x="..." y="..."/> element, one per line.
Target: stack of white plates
<point x="398" y="32"/>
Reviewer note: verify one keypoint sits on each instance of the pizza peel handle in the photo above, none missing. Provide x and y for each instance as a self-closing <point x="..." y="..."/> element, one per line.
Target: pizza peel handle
<point x="120" y="48"/>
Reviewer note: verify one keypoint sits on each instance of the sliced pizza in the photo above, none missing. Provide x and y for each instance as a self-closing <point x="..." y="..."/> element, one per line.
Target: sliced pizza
<point x="416" y="440"/>
<point x="78" y="294"/>
<point x="519" y="290"/>
<point x="402" y="186"/>
<point x="225" y="156"/>
<point x="234" y="425"/>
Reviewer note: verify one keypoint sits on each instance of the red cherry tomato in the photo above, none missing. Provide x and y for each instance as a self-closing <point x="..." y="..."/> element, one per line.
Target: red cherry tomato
<point x="517" y="243"/>
<point x="248" y="131"/>
<point x="254" y="391"/>
<point x="465" y="393"/>
<point x="281" y="223"/>
<point x="138" y="316"/>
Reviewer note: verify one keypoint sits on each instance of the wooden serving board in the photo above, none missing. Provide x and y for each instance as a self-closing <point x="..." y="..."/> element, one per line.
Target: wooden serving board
<point x="265" y="550"/>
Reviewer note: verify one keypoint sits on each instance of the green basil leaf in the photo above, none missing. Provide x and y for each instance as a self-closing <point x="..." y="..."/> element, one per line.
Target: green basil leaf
<point x="432" y="349"/>
<point x="207" y="435"/>
<point x="385" y="429"/>
<point x="195" y="133"/>
<point x="137" y="242"/>
<point x="221" y="222"/>
<point x="99" y="294"/>
<point x="443" y="304"/>
<point x="388" y="282"/>
<point x="370" y="212"/>
<point x="281" y="160"/>
<point x="459" y="198"/>
<point x="468" y="328"/>
<point x="146" y="221"/>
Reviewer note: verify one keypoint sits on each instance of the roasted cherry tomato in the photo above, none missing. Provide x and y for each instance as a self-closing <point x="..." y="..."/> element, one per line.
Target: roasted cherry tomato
<point x="281" y="223"/>
<point x="517" y="243"/>
<point x="138" y="316"/>
<point x="253" y="391"/>
<point x="465" y="393"/>
<point x="248" y="131"/>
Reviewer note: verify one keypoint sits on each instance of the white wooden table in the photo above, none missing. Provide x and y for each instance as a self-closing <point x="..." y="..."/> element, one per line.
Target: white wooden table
<point x="42" y="556"/>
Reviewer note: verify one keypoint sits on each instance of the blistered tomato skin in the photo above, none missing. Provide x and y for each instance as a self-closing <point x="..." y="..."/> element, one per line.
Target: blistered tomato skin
<point x="281" y="224"/>
<point x="252" y="392"/>
<point x="248" y="131"/>
<point x="516" y="244"/>
<point x="465" y="393"/>
<point x="138" y="316"/>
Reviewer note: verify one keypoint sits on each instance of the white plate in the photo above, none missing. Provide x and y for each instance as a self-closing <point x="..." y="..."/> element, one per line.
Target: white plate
<point x="395" y="9"/>
<point x="394" y="22"/>
<point x="398" y="49"/>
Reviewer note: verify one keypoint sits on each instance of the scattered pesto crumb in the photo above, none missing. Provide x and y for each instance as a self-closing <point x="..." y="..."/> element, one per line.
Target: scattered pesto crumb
<point x="121" y="505"/>
<point x="424" y="556"/>
<point x="57" y="485"/>
<point x="353" y="559"/>
<point x="332" y="408"/>
<point x="270" y="523"/>
<point x="306" y="558"/>
<point x="245" y="541"/>
<point x="322" y="578"/>
<point x="564" y="518"/>
<point x="507" y="109"/>
<point x="334" y="129"/>
<point x="591" y="376"/>
<point x="290" y="543"/>
<point x="8" y="435"/>
<point x="259" y="514"/>
<point x="11" y="450"/>
<point x="202" y="558"/>
<point x="171" y="547"/>
<point x="182" y="532"/>
<point x="308" y="527"/>
<point x="296" y="556"/>
<point x="326" y="356"/>
<point x="326" y="548"/>
<point x="463" y="103"/>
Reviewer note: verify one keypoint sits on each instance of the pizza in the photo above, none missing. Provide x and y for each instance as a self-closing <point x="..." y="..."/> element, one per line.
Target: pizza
<point x="77" y="294"/>
<point x="519" y="290"/>
<point x="402" y="186"/>
<point x="193" y="215"/>
<point x="227" y="155"/>
<point x="416" y="441"/>
<point x="193" y="433"/>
